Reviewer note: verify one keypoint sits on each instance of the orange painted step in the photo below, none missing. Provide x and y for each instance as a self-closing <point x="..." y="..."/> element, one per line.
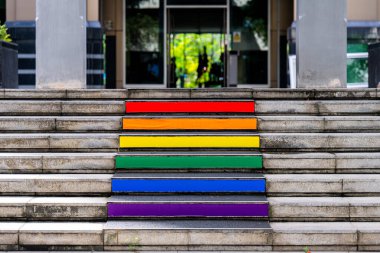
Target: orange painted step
<point x="189" y="124"/>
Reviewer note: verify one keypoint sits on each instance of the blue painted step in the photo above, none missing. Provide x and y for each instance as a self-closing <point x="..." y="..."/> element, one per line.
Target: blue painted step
<point x="188" y="183"/>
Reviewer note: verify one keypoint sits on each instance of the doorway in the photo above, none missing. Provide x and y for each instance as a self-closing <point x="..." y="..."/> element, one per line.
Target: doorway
<point x="197" y="47"/>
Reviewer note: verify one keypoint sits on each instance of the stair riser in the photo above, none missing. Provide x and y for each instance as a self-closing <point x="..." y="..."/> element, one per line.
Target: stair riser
<point x="189" y="107"/>
<point x="130" y="142"/>
<point x="187" y="186"/>
<point x="189" y="162"/>
<point x="164" y="124"/>
<point x="119" y="210"/>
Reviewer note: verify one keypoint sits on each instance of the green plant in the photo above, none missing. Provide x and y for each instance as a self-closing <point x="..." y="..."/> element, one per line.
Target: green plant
<point x="4" y="34"/>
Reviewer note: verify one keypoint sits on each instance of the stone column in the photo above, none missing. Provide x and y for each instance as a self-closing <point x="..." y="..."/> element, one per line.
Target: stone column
<point x="321" y="44"/>
<point x="61" y="44"/>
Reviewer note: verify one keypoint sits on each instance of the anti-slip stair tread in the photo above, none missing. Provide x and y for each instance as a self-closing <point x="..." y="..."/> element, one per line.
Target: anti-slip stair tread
<point x="187" y="199"/>
<point x="187" y="176"/>
<point x="187" y="224"/>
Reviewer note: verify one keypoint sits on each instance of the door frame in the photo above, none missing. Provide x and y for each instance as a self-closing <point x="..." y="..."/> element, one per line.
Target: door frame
<point x="167" y="36"/>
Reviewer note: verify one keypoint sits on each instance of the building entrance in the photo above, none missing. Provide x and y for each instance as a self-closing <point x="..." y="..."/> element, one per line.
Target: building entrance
<point x="197" y="47"/>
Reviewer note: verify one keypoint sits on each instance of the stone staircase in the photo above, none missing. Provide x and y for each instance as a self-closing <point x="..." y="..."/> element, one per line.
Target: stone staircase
<point x="80" y="170"/>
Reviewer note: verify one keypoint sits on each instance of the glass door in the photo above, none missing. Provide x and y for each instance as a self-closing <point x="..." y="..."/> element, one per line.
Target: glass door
<point x="196" y="47"/>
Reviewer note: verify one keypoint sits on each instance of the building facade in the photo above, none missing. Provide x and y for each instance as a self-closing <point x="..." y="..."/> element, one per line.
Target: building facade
<point x="190" y="43"/>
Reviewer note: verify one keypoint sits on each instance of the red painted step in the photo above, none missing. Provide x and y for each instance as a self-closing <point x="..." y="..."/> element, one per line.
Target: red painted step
<point x="190" y="106"/>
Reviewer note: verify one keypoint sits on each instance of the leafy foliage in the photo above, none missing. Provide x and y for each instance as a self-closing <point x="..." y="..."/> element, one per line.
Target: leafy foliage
<point x="4" y="34"/>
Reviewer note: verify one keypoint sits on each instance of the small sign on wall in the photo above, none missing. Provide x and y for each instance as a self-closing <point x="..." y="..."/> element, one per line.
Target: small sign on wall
<point x="236" y="37"/>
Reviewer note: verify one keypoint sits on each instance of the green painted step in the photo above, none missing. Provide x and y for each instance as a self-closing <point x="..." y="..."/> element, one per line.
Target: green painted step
<point x="189" y="162"/>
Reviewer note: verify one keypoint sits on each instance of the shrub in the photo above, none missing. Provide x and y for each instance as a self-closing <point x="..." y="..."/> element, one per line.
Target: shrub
<point x="4" y="34"/>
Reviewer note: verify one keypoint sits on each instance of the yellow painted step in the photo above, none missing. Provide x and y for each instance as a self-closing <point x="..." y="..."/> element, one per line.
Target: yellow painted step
<point x="189" y="142"/>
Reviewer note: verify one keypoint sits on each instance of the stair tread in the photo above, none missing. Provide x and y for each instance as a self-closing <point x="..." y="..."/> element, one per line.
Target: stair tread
<point x="187" y="199"/>
<point x="186" y="224"/>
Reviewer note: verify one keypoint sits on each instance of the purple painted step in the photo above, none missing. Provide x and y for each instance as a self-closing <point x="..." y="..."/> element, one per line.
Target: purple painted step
<point x="188" y="206"/>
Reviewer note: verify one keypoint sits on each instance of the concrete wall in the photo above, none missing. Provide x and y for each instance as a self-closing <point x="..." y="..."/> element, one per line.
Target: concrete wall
<point x="359" y="10"/>
<point x="23" y="10"/>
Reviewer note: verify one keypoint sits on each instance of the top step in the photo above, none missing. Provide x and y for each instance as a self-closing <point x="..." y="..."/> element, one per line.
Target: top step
<point x="123" y="94"/>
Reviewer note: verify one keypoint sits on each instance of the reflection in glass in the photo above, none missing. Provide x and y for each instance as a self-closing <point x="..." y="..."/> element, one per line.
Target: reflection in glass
<point x="249" y="32"/>
<point x="144" y="41"/>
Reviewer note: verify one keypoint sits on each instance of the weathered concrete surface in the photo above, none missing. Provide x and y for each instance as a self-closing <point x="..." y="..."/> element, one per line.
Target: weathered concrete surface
<point x="358" y="162"/>
<point x="310" y="124"/>
<point x="368" y="236"/>
<point x="315" y="185"/>
<point x="301" y="185"/>
<point x="53" y="208"/>
<point x="46" y="235"/>
<point x="364" y="208"/>
<point x="159" y="94"/>
<point x="37" y="142"/>
<point x="83" y="141"/>
<point x="53" y="184"/>
<point x="299" y="162"/>
<point x="309" y="209"/>
<point x="28" y="163"/>
<point x="317" y="236"/>
<point x="88" y="124"/>
<point x="221" y="94"/>
<point x="93" y="108"/>
<point x="185" y="235"/>
<point x="9" y="235"/>
<point x="321" y="141"/>
<point x="323" y="107"/>
<point x="41" y="108"/>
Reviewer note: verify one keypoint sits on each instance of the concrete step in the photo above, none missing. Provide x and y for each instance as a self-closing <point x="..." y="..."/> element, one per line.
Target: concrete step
<point x="55" y="184"/>
<point x="358" y="142"/>
<point x="190" y="106"/>
<point x="191" y="206"/>
<point x="56" y="163"/>
<point x="286" y="185"/>
<point x="191" y="235"/>
<point x="274" y="163"/>
<point x="51" y="236"/>
<point x="324" y="209"/>
<point x="57" y="107"/>
<point x="227" y="183"/>
<point x="60" y="124"/>
<point x="187" y="235"/>
<point x="325" y="163"/>
<point x="226" y="93"/>
<point x="53" y="208"/>
<point x="289" y="124"/>
<point x="262" y="107"/>
<point x="93" y="142"/>
<point x="320" y="107"/>
<point x="326" y="236"/>
<point x="189" y="140"/>
<point x="320" y="124"/>
<point x="204" y="161"/>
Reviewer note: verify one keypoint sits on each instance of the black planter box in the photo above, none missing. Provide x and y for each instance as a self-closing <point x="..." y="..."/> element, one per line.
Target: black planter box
<point x="8" y="65"/>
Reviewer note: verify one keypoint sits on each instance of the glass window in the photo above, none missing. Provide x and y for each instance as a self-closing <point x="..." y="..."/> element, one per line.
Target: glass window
<point x="196" y="2"/>
<point x="2" y="11"/>
<point x="249" y="33"/>
<point x="144" y="41"/>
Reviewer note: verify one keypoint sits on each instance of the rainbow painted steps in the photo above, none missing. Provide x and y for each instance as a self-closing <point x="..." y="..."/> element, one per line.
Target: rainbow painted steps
<point x="183" y="161"/>
<point x="189" y="140"/>
<point x="196" y="183"/>
<point x="190" y="106"/>
<point x="188" y="206"/>
<point x="157" y="123"/>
